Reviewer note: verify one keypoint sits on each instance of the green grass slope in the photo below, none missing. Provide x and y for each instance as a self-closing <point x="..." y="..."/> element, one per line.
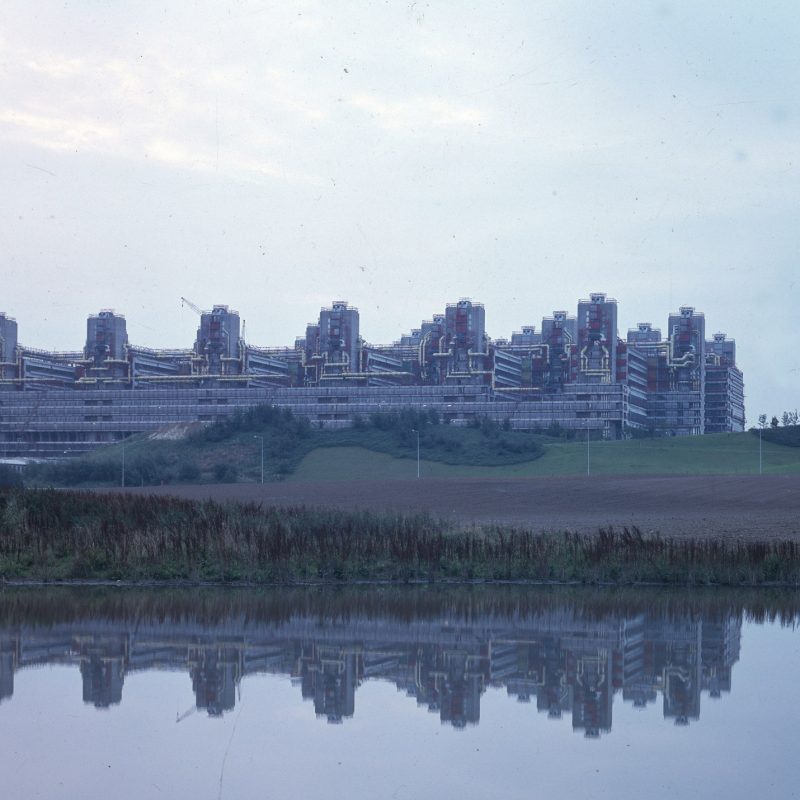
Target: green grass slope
<point x="714" y="454"/>
<point x="230" y="451"/>
<point x="386" y="447"/>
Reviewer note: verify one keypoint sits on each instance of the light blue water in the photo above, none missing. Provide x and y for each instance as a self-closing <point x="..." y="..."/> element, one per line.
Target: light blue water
<point x="132" y="698"/>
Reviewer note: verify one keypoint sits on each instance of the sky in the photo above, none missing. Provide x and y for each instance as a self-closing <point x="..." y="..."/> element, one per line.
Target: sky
<point x="277" y="156"/>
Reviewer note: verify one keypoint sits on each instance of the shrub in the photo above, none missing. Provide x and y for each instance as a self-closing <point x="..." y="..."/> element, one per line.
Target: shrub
<point x="788" y="436"/>
<point x="10" y="478"/>
<point x="225" y="473"/>
<point x="189" y="471"/>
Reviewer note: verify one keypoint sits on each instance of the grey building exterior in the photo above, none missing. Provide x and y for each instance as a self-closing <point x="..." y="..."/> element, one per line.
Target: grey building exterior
<point x="574" y="373"/>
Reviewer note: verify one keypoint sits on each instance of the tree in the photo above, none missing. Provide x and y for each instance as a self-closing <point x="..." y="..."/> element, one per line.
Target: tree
<point x="762" y="420"/>
<point x="773" y="422"/>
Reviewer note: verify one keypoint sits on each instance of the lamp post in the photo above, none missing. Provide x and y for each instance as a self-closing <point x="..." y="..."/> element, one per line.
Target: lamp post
<point x="760" y="460"/>
<point x="588" y="457"/>
<point x="123" y="463"/>
<point x="262" y="456"/>
<point x="413" y="430"/>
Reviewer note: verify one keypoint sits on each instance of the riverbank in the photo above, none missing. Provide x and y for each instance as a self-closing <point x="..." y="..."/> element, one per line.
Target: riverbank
<point x="55" y="535"/>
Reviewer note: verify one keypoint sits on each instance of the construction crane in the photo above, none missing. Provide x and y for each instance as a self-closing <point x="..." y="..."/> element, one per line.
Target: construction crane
<point x="185" y="302"/>
<point x="187" y="713"/>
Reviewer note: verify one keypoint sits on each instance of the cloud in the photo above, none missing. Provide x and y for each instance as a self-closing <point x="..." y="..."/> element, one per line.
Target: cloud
<point x="203" y="158"/>
<point x="521" y="155"/>
<point x="419" y="114"/>
<point x="159" y="109"/>
<point x="57" y="133"/>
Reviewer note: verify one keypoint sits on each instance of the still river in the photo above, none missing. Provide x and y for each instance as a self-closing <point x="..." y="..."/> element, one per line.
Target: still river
<point x="398" y="693"/>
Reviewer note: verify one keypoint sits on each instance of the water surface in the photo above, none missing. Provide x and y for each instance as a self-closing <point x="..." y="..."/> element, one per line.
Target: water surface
<point x="397" y="693"/>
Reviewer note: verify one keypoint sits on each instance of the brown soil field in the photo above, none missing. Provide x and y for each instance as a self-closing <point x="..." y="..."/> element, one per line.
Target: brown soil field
<point x="727" y="507"/>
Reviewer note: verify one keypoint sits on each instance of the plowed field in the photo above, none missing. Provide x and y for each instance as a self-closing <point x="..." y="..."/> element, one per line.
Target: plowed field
<point x="729" y="507"/>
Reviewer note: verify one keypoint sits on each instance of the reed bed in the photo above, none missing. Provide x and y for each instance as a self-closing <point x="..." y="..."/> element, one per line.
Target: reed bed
<point x="57" y="535"/>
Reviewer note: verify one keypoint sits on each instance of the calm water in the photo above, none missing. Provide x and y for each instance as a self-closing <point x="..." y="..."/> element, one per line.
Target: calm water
<point x="398" y="694"/>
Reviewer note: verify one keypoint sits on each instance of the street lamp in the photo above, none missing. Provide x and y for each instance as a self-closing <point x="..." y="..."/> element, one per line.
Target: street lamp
<point x="262" y="456"/>
<point x="123" y="462"/>
<point x="588" y="455"/>
<point x="413" y="430"/>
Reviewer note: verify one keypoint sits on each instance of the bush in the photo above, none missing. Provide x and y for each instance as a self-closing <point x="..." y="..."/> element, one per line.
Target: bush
<point x="78" y="471"/>
<point x="225" y="473"/>
<point x="280" y="420"/>
<point x="555" y="430"/>
<point x="788" y="436"/>
<point x="10" y="478"/>
<point x="189" y="471"/>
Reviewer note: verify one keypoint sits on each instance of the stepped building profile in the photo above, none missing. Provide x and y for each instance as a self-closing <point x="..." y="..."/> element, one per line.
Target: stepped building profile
<point x="574" y="372"/>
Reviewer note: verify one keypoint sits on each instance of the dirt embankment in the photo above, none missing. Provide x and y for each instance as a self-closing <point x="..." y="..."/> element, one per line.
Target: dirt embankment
<point x="728" y="507"/>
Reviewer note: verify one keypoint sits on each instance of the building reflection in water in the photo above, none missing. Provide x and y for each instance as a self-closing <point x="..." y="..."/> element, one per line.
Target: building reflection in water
<point x="567" y="665"/>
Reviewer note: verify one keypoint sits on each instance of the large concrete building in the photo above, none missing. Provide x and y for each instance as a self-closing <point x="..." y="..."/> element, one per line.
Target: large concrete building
<point x="574" y="373"/>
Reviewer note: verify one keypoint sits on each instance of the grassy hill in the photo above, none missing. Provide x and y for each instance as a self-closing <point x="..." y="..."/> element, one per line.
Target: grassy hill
<point x="230" y="451"/>
<point x="714" y="454"/>
<point x="385" y="448"/>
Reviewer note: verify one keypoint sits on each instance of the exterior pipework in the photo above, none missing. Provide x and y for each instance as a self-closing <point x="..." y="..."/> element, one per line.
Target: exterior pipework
<point x="662" y="382"/>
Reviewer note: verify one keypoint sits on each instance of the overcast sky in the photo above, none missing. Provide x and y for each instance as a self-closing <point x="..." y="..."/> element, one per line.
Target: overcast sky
<point x="275" y="156"/>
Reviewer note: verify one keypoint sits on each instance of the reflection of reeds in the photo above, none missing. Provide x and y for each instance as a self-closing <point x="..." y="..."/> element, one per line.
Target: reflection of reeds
<point x="211" y="606"/>
<point x="53" y="534"/>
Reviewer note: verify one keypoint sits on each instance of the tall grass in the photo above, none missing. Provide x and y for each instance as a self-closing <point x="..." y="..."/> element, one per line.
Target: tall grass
<point x="50" y="534"/>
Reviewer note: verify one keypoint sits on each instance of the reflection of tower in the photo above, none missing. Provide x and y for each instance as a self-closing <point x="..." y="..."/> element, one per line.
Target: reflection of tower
<point x="8" y="663"/>
<point x="102" y="681"/>
<point x="556" y="696"/>
<point x="681" y="693"/>
<point x="513" y="664"/>
<point x="570" y="663"/>
<point x="451" y="682"/>
<point x="215" y="673"/>
<point x="103" y="663"/>
<point x="720" y="643"/>
<point x="103" y="677"/>
<point x="591" y="710"/>
<point x="330" y="677"/>
<point x="640" y="684"/>
<point x="681" y="671"/>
